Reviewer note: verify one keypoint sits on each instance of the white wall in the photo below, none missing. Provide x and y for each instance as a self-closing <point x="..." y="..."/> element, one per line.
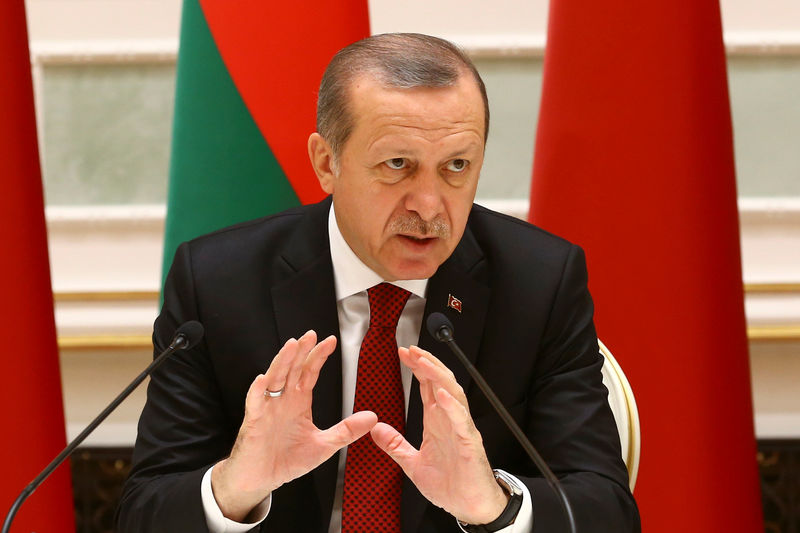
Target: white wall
<point x="761" y="15"/>
<point x="89" y="20"/>
<point x="81" y="20"/>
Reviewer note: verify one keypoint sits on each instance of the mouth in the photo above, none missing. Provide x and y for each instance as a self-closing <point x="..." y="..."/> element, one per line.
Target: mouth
<point x="418" y="241"/>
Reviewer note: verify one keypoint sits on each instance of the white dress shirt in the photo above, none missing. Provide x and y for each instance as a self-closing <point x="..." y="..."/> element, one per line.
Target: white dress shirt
<point x="352" y="279"/>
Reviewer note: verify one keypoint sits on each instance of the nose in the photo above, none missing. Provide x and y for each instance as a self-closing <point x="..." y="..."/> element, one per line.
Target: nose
<point x="424" y="195"/>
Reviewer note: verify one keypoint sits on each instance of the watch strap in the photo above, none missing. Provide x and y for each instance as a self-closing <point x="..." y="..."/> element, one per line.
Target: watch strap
<point x="510" y="512"/>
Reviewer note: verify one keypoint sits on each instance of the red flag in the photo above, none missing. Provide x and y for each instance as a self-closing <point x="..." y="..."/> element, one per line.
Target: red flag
<point x="634" y="162"/>
<point x="32" y="415"/>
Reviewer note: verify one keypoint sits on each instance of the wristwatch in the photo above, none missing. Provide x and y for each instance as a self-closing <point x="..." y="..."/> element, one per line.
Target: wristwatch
<point x="509" y="514"/>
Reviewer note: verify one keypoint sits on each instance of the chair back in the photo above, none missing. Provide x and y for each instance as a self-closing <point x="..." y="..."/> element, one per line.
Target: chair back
<point x="626" y="415"/>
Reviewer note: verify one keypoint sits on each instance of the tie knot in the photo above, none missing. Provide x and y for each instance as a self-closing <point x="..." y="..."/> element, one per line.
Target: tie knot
<point x="386" y="303"/>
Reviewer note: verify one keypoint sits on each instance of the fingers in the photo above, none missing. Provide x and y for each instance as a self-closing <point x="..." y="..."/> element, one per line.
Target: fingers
<point x="298" y="363"/>
<point x="304" y="346"/>
<point x="350" y="429"/>
<point x="416" y="352"/>
<point x="441" y="394"/>
<point x="425" y="365"/>
<point x="255" y="394"/>
<point x="313" y="363"/>
<point x="288" y="358"/>
<point x="430" y="370"/>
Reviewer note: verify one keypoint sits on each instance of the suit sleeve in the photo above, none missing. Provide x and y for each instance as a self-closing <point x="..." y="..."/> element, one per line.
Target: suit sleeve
<point x="570" y="421"/>
<point x="182" y="430"/>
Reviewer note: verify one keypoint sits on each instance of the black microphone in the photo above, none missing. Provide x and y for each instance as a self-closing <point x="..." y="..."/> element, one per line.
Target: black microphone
<point x="442" y="330"/>
<point x="186" y="336"/>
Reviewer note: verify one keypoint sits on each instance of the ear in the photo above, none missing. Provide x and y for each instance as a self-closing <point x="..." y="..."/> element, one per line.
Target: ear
<point x="321" y="155"/>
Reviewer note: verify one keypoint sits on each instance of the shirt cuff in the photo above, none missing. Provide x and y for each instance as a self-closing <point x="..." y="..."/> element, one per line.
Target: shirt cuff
<point x="216" y="521"/>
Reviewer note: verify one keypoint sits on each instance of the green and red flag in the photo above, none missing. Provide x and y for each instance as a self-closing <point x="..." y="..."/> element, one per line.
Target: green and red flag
<point x="247" y="81"/>
<point x="634" y="162"/>
<point x="32" y="414"/>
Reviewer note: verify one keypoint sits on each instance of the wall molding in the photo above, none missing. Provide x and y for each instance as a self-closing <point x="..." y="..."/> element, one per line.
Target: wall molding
<point x="149" y="296"/>
<point x="149" y="51"/>
<point x="125" y="341"/>
<point x="772" y="288"/>
<point x="105" y="252"/>
<point x="774" y="332"/>
<point x="502" y="45"/>
<point x="737" y="43"/>
<point x="752" y="43"/>
<point x="772" y="206"/>
<point x="107" y="216"/>
<point x="106" y="296"/>
<point x="105" y="342"/>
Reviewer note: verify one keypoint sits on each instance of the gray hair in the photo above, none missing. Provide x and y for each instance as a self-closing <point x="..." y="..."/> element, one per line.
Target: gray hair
<point x="396" y="60"/>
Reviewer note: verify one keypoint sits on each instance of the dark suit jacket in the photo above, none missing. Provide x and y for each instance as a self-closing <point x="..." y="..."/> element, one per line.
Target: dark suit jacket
<point x="526" y="324"/>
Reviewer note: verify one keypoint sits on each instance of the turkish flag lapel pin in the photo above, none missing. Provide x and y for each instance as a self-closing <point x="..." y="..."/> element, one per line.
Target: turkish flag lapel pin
<point x="453" y="303"/>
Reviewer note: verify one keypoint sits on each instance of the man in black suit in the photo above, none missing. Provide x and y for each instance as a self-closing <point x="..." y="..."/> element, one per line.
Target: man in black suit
<point x="402" y="125"/>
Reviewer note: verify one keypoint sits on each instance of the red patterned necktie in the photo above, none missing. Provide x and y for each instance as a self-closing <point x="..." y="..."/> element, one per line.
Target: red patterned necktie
<point x="372" y="480"/>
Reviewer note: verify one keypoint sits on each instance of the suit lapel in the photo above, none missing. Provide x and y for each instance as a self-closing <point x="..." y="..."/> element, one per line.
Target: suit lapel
<point x="306" y="299"/>
<point x="464" y="277"/>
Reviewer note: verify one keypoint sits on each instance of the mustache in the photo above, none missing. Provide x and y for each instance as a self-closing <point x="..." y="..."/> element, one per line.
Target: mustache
<point x="413" y="223"/>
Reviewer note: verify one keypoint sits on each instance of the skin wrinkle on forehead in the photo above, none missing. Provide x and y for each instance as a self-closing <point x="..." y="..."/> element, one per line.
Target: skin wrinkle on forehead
<point x="396" y="120"/>
<point x="429" y="134"/>
<point x="434" y="135"/>
<point x="393" y="118"/>
<point x="377" y="146"/>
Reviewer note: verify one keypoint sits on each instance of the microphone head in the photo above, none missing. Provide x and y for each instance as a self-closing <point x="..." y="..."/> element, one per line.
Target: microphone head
<point x="191" y="331"/>
<point x="440" y="327"/>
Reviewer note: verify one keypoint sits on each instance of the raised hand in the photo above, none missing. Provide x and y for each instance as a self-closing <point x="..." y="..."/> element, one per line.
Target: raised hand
<point x="278" y="440"/>
<point x="450" y="469"/>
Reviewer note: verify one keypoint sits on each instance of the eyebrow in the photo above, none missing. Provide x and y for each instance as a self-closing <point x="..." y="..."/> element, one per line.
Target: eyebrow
<point x="456" y="154"/>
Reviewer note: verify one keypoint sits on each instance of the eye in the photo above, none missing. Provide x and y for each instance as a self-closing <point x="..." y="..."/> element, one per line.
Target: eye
<point x="457" y="165"/>
<point x="396" y="163"/>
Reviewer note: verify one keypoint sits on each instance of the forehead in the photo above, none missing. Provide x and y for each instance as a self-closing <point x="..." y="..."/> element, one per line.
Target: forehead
<point x="426" y="112"/>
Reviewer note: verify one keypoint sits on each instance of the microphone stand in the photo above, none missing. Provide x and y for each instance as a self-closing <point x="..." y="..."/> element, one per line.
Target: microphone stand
<point x="180" y="341"/>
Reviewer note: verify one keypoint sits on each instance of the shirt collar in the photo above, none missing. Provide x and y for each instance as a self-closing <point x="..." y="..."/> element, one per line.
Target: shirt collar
<point x="351" y="275"/>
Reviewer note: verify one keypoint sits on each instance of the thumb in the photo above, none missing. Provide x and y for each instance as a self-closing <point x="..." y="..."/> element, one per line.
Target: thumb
<point x="350" y="429"/>
<point x="393" y="444"/>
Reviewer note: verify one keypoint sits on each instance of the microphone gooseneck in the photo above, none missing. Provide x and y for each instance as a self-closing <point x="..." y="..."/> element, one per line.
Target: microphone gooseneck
<point x="186" y="336"/>
<point x="440" y="327"/>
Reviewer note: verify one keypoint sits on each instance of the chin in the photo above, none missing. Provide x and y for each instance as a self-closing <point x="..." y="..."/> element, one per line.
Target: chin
<point x="413" y="272"/>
